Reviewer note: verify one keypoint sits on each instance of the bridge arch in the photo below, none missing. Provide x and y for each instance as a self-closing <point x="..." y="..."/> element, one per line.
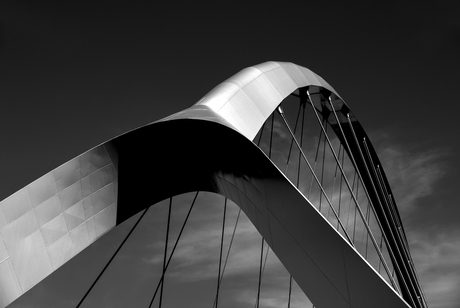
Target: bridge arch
<point x="207" y="147"/>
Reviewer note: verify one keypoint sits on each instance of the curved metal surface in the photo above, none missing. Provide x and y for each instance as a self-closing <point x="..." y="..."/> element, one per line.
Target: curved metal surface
<point x="206" y="147"/>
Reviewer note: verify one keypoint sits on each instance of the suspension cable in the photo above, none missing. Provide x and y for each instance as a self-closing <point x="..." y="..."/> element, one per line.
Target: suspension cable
<point x="322" y="167"/>
<point x="113" y="256"/>
<point x="316" y="158"/>
<point x="301" y="144"/>
<point x="261" y="132"/>
<point x="348" y="185"/>
<point x="314" y="175"/>
<point x="374" y="242"/>
<point x="174" y="249"/>
<point x="290" y="291"/>
<point x="220" y="255"/>
<point x="228" y="251"/>
<point x="292" y="140"/>
<point x="166" y="250"/>
<point x="271" y="136"/>
<point x="260" y="272"/>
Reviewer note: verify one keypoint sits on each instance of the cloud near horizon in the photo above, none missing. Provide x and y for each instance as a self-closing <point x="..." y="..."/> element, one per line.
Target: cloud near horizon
<point x="438" y="265"/>
<point x="412" y="175"/>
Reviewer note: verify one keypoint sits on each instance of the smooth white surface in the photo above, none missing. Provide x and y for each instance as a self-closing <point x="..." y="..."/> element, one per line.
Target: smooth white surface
<point x="49" y="221"/>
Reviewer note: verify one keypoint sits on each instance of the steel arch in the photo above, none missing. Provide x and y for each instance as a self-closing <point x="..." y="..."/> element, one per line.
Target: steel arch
<point x="206" y="147"/>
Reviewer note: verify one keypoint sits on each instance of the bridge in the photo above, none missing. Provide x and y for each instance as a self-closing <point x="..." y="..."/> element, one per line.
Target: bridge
<point x="278" y="141"/>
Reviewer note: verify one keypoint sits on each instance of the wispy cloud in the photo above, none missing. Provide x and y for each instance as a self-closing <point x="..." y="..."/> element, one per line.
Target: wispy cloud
<point x="438" y="264"/>
<point x="411" y="175"/>
<point x="414" y="175"/>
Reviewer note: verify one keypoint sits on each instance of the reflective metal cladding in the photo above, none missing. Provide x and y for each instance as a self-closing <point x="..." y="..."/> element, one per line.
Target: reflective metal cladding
<point x="52" y="219"/>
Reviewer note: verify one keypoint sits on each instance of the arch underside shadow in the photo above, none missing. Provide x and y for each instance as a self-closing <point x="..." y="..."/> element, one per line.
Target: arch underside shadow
<point x="323" y="263"/>
<point x="204" y="148"/>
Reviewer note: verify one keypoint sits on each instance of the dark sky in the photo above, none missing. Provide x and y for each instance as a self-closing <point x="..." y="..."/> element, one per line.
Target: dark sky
<point x="73" y="75"/>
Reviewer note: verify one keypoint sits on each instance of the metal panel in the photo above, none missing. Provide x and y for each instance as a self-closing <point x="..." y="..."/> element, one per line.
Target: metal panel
<point x="88" y="207"/>
<point x="244" y="77"/>
<point x="80" y="238"/>
<point x="239" y="105"/>
<point x="86" y="186"/>
<point x="31" y="261"/>
<point x="2" y="218"/>
<point x="48" y="210"/>
<point x="99" y="158"/>
<point x="16" y="205"/>
<point x="67" y="174"/>
<point x="105" y="220"/>
<point x="3" y="252"/>
<point x="15" y="233"/>
<point x="54" y="230"/>
<point x="282" y="82"/>
<point x="91" y="229"/>
<point x="85" y="164"/>
<point x="103" y="198"/>
<point x="60" y="251"/>
<point x="219" y="96"/>
<point x="264" y="96"/>
<point x="9" y="284"/>
<point x="42" y="189"/>
<point x="102" y="177"/>
<point x="295" y="74"/>
<point x="74" y="216"/>
<point x="71" y="195"/>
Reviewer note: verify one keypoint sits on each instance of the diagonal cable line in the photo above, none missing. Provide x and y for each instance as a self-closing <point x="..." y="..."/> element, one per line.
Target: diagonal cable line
<point x="228" y="251"/>
<point x="174" y="249"/>
<point x="314" y="175"/>
<point x="316" y="159"/>
<point x="260" y="273"/>
<point x="166" y="250"/>
<point x="113" y="257"/>
<point x="292" y="139"/>
<point x="346" y="179"/>
<point x="220" y="255"/>
<point x="348" y="184"/>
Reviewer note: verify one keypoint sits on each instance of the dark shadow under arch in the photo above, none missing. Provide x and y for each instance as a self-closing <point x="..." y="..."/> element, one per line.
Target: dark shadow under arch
<point x="173" y="157"/>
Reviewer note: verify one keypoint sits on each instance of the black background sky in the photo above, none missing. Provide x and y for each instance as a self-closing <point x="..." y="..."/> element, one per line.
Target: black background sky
<point x="74" y="74"/>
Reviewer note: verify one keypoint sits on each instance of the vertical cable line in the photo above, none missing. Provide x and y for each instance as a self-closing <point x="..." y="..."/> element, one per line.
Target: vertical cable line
<point x="322" y="168"/>
<point x="290" y="291"/>
<point x="301" y="105"/>
<point x="261" y="132"/>
<point x="174" y="249"/>
<point x="401" y="248"/>
<point x="333" y="187"/>
<point x="166" y="250"/>
<point x="228" y="251"/>
<point x="394" y="216"/>
<point x="301" y="144"/>
<point x="365" y="190"/>
<point x="381" y="243"/>
<point x="354" y="221"/>
<point x="390" y="250"/>
<point x="113" y="256"/>
<point x="316" y="159"/>
<point x="357" y="207"/>
<point x="292" y="140"/>
<point x="341" y="178"/>
<point x="220" y="255"/>
<point x="260" y="273"/>
<point x="280" y="111"/>
<point x="349" y="201"/>
<point x="271" y="136"/>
